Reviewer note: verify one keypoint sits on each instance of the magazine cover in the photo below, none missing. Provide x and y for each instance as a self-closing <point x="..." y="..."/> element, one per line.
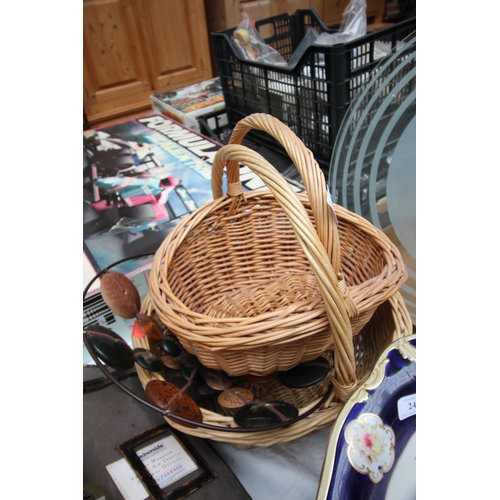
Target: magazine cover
<point x="140" y="178"/>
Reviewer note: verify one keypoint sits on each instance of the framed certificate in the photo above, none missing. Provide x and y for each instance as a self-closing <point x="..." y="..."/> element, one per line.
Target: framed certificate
<point x="166" y="463"/>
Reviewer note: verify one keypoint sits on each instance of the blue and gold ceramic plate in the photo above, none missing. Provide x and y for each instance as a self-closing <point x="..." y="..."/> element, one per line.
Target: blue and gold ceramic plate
<point x="371" y="453"/>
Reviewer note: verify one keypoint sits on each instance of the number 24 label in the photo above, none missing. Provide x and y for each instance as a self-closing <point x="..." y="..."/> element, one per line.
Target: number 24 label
<point x="407" y="406"/>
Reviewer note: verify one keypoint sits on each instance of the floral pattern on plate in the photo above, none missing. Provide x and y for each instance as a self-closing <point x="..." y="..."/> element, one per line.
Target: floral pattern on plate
<point x="371" y="446"/>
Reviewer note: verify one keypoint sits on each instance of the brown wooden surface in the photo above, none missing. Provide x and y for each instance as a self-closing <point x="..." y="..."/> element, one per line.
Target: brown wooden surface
<point x="333" y="10"/>
<point x="135" y="48"/>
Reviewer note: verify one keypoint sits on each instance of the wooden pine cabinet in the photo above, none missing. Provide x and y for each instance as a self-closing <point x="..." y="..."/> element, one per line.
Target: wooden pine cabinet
<point x="135" y="48"/>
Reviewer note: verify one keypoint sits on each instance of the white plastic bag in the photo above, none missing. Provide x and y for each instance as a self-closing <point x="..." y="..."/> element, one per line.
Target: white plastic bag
<point x="353" y="25"/>
<point x="310" y="38"/>
<point x="251" y="45"/>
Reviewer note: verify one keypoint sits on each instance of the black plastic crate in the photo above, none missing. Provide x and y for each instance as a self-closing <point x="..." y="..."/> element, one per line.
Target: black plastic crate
<point x="313" y="96"/>
<point x="210" y="126"/>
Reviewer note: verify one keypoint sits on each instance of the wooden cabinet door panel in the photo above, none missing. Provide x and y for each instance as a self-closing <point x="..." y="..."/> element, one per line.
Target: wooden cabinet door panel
<point x="290" y="6"/>
<point x="114" y="66"/>
<point x="176" y="42"/>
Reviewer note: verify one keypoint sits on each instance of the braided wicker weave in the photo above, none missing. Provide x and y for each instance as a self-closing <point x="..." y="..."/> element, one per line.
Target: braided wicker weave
<point x="390" y="322"/>
<point x="256" y="282"/>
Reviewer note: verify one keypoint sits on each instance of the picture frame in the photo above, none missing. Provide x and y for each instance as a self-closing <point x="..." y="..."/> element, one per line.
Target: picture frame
<point x="176" y="468"/>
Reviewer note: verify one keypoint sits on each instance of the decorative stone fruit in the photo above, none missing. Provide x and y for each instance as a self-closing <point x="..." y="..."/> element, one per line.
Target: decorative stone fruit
<point x="147" y="360"/>
<point x="306" y="374"/>
<point x="149" y="326"/>
<point x="120" y="294"/>
<point x="235" y="397"/>
<point x="109" y="347"/>
<point x="168" y="397"/>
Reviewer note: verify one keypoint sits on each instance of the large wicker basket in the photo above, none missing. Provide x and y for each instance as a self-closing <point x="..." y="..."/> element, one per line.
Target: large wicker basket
<point x="256" y="282"/>
<point x="391" y="321"/>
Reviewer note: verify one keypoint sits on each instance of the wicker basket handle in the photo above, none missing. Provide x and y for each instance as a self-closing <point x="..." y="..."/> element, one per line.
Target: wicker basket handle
<point x="312" y="176"/>
<point x="344" y="361"/>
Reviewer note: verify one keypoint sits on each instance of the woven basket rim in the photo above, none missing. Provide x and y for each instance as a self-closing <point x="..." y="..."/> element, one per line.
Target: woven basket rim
<point x="175" y="239"/>
<point x="325" y="416"/>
